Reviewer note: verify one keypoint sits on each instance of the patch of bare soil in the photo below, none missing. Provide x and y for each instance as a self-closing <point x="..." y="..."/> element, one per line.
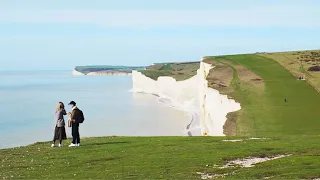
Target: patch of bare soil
<point x="213" y="176"/>
<point x="220" y="76"/>
<point x="248" y="77"/>
<point x="251" y="161"/>
<point x="243" y="163"/>
<point x="240" y="140"/>
<point x="230" y="126"/>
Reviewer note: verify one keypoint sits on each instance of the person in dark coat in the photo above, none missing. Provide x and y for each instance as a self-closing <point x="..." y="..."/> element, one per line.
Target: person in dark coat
<point x="59" y="130"/>
<point x="74" y="116"/>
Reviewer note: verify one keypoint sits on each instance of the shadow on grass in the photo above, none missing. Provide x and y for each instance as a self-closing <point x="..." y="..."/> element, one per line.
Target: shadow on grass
<point x="104" y="143"/>
<point x="97" y="161"/>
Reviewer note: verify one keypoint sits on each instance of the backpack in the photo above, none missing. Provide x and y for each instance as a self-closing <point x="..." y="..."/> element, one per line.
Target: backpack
<point x="80" y="117"/>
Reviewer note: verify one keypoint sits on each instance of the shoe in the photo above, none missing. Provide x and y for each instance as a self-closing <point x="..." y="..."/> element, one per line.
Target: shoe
<point x="78" y="144"/>
<point x="60" y="145"/>
<point x="52" y="145"/>
<point x="73" y="145"/>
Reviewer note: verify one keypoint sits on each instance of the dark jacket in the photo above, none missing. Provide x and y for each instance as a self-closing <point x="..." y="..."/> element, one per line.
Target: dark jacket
<point x="75" y="115"/>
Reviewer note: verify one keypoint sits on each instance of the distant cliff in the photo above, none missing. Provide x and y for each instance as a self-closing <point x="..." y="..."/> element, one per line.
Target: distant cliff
<point x="190" y="93"/>
<point x="105" y="70"/>
<point x="77" y="73"/>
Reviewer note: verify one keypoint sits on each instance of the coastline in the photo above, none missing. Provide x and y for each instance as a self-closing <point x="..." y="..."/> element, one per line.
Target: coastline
<point x="100" y="73"/>
<point x="206" y="107"/>
<point x="193" y="127"/>
<point x="187" y="104"/>
<point x="105" y="70"/>
<point x="108" y="106"/>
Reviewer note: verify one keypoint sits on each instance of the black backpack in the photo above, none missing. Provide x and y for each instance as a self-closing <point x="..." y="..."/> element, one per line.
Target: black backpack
<point x="80" y="117"/>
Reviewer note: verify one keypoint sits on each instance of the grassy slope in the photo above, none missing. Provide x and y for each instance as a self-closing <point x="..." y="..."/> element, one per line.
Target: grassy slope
<point x="161" y="158"/>
<point x="179" y="71"/>
<point x="298" y="62"/>
<point x="233" y="79"/>
<point x="265" y="112"/>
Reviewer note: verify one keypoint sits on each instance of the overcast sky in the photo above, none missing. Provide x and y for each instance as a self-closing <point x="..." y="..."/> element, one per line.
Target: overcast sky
<point x="59" y="34"/>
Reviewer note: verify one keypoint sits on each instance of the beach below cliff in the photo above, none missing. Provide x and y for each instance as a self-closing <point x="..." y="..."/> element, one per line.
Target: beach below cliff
<point x="207" y="108"/>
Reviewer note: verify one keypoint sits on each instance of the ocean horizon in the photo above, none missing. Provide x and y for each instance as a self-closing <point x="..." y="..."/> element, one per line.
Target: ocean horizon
<point x="29" y="98"/>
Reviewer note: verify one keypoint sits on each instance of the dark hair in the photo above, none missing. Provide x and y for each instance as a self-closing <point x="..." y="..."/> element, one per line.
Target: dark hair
<point x="72" y="103"/>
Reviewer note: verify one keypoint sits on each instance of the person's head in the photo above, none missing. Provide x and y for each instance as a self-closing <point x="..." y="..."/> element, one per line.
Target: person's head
<point x="60" y="106"/>
<point x="72" y="104"/>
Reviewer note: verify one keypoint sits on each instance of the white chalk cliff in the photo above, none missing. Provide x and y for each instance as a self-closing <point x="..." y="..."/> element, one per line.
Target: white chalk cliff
<point x="77" y="73"/>
<point x="207" y="106"/>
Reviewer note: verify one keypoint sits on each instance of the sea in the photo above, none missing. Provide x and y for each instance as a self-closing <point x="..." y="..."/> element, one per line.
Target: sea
<point x="28" y="100"/>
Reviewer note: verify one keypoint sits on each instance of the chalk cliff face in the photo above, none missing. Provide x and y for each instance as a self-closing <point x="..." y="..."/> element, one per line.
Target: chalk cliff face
<point x="208" y="106"/>
<point x="214" y="106"/>
<point x="77" y="73"/>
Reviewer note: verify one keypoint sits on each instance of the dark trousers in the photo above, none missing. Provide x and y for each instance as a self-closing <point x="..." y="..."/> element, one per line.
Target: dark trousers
<point x="75" y="133"/>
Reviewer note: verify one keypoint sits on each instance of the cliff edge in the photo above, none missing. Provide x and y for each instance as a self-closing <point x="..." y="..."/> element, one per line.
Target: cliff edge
<point x="207" y="106"/>
<point x="77" y="73"/>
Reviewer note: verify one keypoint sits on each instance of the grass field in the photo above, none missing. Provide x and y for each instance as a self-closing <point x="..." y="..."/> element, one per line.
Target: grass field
<point x="179" y="71"/>
<point x="260" y="82"/>
<point x="162" y="158"/>
<point x="262" y="92"/>
<point x="298" y="63"/>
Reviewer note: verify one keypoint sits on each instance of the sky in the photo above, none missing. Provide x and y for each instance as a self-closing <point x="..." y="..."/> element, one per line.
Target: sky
<point x="60" y="34"/>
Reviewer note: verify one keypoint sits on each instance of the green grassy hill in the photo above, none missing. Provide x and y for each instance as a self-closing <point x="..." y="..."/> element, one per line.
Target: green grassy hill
<point x="179" y="71"/>
<point x="162" y="158"/>
<point x="264" y="110"/>
<point x="298" y="63"/>
<point x="274" y="102"/>
<point x="260" y="82"/>
<point x="100" y="68"/>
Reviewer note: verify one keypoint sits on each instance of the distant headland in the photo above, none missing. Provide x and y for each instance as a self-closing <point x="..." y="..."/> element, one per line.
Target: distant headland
<point x="105" y="70"/>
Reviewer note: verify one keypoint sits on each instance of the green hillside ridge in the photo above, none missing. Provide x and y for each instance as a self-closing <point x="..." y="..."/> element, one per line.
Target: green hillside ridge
<point x="264" y="109"/>
<point x="163" y="158"/>
<point x="100" y="68"/>
<point x="261" y="85"/>
<point x="275" y="105"/>
<point x="298" y="63"/>
<point x="179" y="71"/>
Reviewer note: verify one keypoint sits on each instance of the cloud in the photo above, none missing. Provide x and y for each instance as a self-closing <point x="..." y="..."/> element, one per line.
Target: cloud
<point x="254" y="16"/>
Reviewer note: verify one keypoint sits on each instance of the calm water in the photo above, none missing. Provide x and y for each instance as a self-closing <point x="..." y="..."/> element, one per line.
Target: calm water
<point x="28" y="101"/>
